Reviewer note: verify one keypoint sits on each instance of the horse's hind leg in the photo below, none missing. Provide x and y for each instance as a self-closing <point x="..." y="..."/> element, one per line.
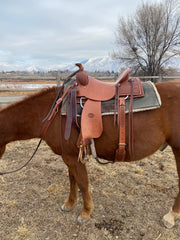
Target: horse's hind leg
<point x="169" y="219"/>
<point x="72" y="200"/>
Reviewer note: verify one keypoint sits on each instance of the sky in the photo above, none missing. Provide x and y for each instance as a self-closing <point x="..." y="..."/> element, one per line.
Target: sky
<point x="45" y="33"/>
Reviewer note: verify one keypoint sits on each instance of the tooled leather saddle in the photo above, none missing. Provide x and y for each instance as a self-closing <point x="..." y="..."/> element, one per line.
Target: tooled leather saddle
<point x="90" y="92"/>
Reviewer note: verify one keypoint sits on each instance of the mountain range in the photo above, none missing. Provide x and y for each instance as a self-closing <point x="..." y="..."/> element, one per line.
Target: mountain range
<point x="100" y="64"/>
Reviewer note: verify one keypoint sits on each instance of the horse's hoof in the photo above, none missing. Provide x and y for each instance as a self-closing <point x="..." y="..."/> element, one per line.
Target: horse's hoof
<point x="64" y="208"/>
<point x="81" y="220"/>
<point x="168" y="224"/>
<point x="168" y="220"/>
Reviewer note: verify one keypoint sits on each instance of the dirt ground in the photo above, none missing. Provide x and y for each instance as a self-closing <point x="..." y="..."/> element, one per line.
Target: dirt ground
<point x="130" y="199"/>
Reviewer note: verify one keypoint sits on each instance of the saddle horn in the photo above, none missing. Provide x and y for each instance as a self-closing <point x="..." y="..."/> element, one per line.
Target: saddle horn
<point x="80" y="66"/>
<point x="81" y="76"/>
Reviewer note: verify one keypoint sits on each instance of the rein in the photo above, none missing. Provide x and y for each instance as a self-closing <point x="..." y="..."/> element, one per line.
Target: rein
<point x="13" y="171"/>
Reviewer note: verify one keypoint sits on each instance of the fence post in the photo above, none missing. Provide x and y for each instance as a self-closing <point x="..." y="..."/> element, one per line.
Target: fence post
<point x="160" y="78"/>
<point x="58" y="79"/>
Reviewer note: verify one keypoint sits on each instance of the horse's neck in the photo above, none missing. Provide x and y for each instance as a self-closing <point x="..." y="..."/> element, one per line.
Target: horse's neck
<point x="22" y="121"/>
<point x="15" y="125"/>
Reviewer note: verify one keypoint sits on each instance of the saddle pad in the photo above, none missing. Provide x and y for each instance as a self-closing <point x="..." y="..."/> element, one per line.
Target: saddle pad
<point x="151" y="100"/>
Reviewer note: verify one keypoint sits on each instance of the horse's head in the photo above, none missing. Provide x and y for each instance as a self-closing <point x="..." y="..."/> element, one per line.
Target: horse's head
<point x="2" y="150"/>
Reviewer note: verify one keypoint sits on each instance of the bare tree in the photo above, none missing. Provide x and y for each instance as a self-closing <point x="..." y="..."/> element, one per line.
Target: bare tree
<point x="150" y="38"/>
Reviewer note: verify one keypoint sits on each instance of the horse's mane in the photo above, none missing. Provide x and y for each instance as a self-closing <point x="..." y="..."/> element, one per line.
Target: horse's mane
<point x="33" y="96"/>
<point x="41" y="92"/>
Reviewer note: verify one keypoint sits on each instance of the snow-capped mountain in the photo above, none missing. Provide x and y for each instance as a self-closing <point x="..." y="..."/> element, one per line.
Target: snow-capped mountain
<point x="94" y="64"/>
<point x="100" y="64"/>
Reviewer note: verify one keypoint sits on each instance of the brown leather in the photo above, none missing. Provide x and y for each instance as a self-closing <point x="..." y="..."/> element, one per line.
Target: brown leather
<point x="102" y="91"/>
<point x="125" y="88"/>
<point x="132" y="81"/>
<point x="96" y="90"/>
<point x="82" y="78"/>
<point x="123" y="77"/>
<point x="71" y="114"/>
<point x="80" y="66"/>
<point x="91" y="121"/>
<point x="120" y="152"/>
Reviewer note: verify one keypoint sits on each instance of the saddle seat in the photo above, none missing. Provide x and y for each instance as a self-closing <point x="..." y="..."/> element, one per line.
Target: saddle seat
<point x="97" y="90"/>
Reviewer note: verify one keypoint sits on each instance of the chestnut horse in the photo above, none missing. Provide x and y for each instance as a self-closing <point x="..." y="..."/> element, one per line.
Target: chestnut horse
<point x="153" y="128"/>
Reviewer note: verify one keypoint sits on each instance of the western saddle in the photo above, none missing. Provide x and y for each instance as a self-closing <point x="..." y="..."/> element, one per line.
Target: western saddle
<point x="89" y="93"/>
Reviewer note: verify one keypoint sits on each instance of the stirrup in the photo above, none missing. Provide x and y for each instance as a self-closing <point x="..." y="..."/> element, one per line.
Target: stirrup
<point x="94" y="154"/>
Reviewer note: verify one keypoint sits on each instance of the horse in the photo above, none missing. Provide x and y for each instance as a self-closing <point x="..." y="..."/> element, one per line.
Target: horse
<point x="153" y="128"/>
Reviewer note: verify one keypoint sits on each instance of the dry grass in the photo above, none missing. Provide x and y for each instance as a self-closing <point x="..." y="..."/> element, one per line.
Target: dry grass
<point x="130" y="198"/>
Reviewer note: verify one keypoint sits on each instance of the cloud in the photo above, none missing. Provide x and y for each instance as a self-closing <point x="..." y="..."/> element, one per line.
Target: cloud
<point x="58" y="31"/>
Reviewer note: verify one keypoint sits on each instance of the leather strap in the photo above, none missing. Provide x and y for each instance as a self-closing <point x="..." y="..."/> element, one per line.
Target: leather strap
<point x="121" y="152"/>
<point x="71" y="114"/>
<point x="131" y="118"/>
<point x="116" y="103"/>
<point x="74" y="109"/>
<point x="68" y="119"/>
<point x="53" y="113"/>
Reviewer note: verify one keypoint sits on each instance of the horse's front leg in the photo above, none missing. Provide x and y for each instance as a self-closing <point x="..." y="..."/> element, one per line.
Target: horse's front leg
<point x="78" y="177"/>
<point x="73" y="195"/>
<point x="169" y="218"/>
